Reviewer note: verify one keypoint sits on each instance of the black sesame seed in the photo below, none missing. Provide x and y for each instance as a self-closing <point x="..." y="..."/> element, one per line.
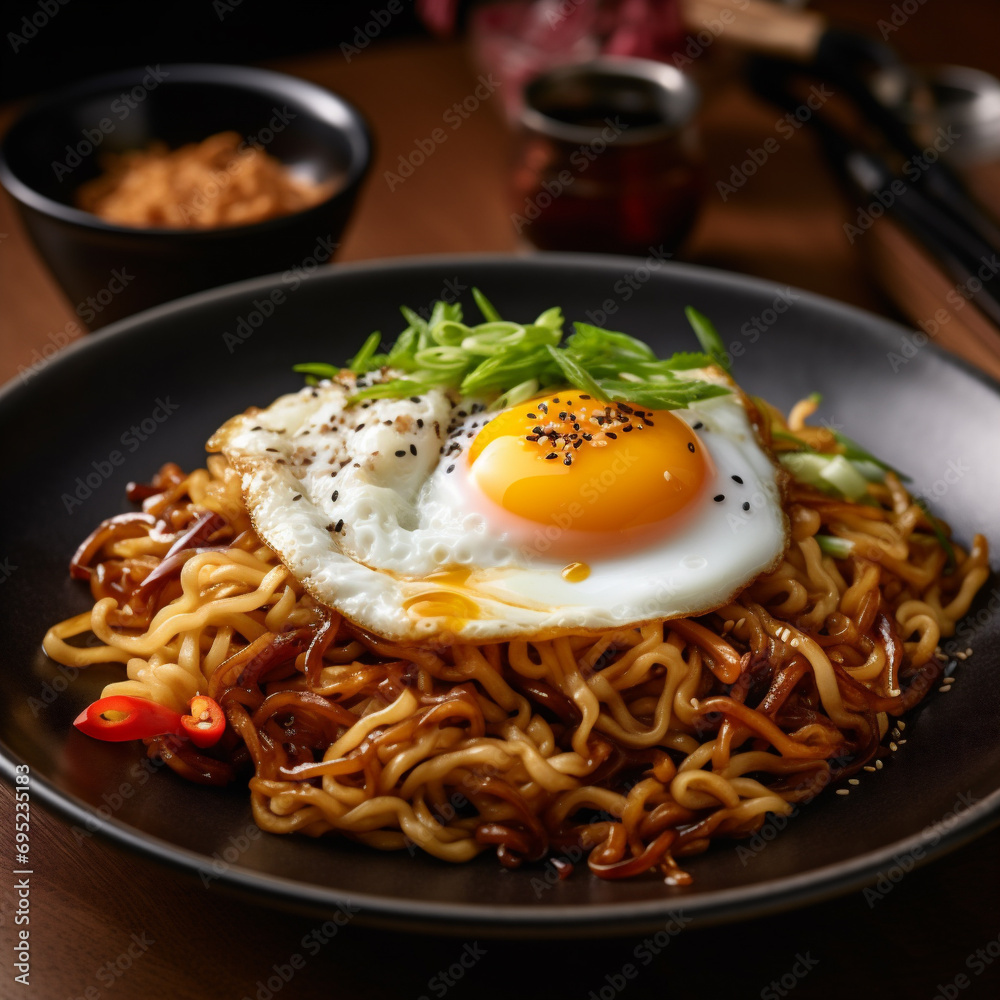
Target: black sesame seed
<point x="719" y="497"/>
<point x="625" y="408"/>
<point x="400" y="454"/>
<point x="746" y="506"/>
<point x="270" y="449"/>
<point x="532" y="416"/>
<point x="530" y="437"/>
<point x="568" y="460"/>
<point x="626" y="428"/>
<point x="582" y="396"/>
<point x="413" y="449"/>
<point x="451" y="468"/>
<point x="555" y="399"/>
<point x="257" y="428"/>
<point x="612" y="435"/>
<point x="336" y="493"/>
<point x="360" y="427"/>
<point x="551" y="455"/>
<point x="736" y="479"/>
<point x="698" y="426"/>
<point x="298" y="496"/>
<point x="588" y="437"/>
<point x="414" y="399"/>
<point x="563" y="414"/>
<point x="543" y="407"/>
<point x="691" y="447"/>
<point x="420" y="422"/>
<point x="330" y="526"/>
<point x="339" y="525"/>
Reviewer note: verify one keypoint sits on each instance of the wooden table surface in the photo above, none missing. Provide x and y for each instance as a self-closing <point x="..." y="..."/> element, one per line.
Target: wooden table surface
<point x="108" y="924"/>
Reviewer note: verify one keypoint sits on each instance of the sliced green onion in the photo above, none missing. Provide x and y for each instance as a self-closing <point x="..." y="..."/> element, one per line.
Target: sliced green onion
<point x="855" y="452"/>
<point x="485" y="307"/>
<point x="939" y="533"/>
<point x="831" y="545"/>
<point x="576" y="375"/>
<point x="830" y="473"/>
<point x="498" y="358"/>
<point x="708" y="337"/>
<point x="318" y="368"/>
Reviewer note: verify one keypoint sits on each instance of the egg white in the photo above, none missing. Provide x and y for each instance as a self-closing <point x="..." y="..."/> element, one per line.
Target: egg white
<point x="371" y="508"/>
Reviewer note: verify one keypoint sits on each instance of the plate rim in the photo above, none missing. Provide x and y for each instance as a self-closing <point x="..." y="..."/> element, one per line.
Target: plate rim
<point x="436" y="917"/>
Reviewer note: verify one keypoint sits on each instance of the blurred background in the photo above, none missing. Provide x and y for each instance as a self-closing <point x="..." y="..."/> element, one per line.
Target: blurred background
<point x="404" y="65"/>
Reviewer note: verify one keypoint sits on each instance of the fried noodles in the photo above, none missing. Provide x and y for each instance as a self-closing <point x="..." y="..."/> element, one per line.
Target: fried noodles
<point x="638" y="747"/>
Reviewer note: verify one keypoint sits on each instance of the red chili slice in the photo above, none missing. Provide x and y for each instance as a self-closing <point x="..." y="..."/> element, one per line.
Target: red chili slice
<point x="142" y="719"/>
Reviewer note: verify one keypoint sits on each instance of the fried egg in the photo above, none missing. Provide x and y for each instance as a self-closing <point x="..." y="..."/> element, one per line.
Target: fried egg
<point x="432" y="519"/>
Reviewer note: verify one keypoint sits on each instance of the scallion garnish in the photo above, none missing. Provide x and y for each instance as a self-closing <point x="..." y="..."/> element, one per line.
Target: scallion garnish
<point x="510" y="362"/>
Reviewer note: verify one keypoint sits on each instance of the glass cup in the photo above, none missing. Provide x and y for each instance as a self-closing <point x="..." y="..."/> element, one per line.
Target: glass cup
<point x="608" y="158"/>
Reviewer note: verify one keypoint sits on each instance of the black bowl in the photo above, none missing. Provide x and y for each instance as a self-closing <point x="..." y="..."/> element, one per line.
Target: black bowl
<point x="110" y="271"/>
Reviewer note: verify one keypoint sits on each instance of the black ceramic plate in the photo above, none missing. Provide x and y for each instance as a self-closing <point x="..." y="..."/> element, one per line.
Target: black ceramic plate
<point x="153" y="388"/>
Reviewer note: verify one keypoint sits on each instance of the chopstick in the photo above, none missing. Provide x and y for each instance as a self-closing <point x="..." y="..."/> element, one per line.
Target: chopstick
<point x="807" y="38"/>
<point x="759" y="25"/>
<point x="952" y="241"/>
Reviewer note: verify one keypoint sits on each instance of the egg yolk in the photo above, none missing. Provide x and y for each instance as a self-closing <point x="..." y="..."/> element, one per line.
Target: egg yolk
<point x="584" y="465"/>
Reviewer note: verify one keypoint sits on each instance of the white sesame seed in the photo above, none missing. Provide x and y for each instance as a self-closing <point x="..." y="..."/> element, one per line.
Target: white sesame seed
<point x="900" y="725"/>
<point x="868" y="767"/>
<point x="666" y="475"/>
<point x="944" y="687"/>
<point x="901" y="742"/>
<point x="728" y="626"/>
<point x="968" y="651"/>
<point x="960" y="655"/>
<point x="893" y="747"/>
<point x="878" y="765"/>
<point x="853" y="781"/>
<point x="741" y="623"/>
<point x="843" y="791"/>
